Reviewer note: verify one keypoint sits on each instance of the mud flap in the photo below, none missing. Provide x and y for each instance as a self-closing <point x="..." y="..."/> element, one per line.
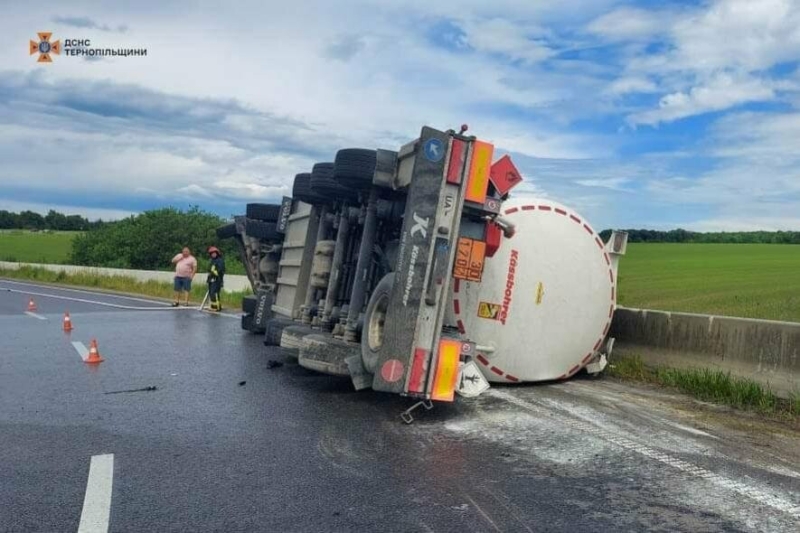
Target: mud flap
<point x="263" y="311"/>
<point x="361" y="378"/>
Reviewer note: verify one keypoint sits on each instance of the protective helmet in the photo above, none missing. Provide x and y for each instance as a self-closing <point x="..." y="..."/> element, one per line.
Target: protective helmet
<point x="212" y="249"/>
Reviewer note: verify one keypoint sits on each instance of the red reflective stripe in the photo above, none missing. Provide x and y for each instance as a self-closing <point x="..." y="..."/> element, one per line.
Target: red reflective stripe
<point x="461" y="327"/>
<point x="497" y="371"/>
<point x="456" y="307"/>
<point x="511" y="211"/>
<point x="574" y="369"/>
<point x="456" y="285"/>
<point x="588" y="229"/>
<point x="599" y="242"/>
<point x="483" y="360"/>
<point x="561" y="211"/>
<point x="509" y="377"/>
<point x="545" y="208"/>
<point x="613" y="293"/>
<point x="454" y="170"/>
<point x="588" y="356"/>
<point x="417" y="368"/>
<point x="599" y="341"/>
<point x="575" y="219"/>
<point x="528" y="207"/>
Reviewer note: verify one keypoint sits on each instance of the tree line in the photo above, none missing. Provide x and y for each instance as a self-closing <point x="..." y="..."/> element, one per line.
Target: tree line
<point x="149" y="240"/>
<point x="53" y="220"/>
<point x="733" y="237"/>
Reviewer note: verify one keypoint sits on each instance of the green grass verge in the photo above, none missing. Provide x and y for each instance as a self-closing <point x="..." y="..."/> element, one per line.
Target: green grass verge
<point x="708" y="385"/>
<point x="745" y="280"/>
<point x="36" y="247"/>
<point x="231" y="301"/>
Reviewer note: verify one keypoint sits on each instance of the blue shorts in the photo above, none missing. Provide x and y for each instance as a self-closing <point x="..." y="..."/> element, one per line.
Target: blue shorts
<point x="183" y="284"/>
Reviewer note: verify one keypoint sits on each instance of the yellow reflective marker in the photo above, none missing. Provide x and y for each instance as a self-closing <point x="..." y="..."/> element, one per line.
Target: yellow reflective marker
<point x="444" y="383"/>
<point x="479" y="170"/>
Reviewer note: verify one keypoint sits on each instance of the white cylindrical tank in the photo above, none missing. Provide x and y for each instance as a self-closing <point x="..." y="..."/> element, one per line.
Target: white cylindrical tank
<point x="546" y="299"/>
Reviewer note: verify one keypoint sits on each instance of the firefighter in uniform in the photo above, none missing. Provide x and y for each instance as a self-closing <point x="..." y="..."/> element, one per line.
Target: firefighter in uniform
<point x="216" y="273"/>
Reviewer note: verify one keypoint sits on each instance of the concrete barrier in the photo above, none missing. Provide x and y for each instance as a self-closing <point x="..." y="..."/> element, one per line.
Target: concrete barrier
<point x="232" y="283"/>
<point x="765" y="351"/>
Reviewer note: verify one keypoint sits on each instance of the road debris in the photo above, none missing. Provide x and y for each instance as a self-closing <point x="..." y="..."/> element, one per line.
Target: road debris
<point x="145" y="389"/>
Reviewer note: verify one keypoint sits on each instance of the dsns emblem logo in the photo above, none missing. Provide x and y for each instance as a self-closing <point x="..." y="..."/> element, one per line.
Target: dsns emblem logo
<point x="44" y="47"/>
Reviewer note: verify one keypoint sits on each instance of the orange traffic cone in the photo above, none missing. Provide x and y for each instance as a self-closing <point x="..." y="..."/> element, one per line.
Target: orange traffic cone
<point x="94" y="355"/>
<point x="31" y="305"/>
<point x="67" y="322"/>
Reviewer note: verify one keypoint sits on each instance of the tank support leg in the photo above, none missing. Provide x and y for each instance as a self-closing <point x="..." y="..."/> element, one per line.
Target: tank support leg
<point x="362" y="267"/>
<point x="336" y="267"/>
<point x="324" y="225"/>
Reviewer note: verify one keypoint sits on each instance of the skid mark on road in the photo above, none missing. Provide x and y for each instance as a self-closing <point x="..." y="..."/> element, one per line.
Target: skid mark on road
<point x="34" y="315"/>
<point x="540" y="406"/>
<point x="97" y="501"/>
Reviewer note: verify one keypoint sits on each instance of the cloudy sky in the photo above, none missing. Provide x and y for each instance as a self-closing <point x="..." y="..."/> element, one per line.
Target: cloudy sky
<point x="636" y="113"/>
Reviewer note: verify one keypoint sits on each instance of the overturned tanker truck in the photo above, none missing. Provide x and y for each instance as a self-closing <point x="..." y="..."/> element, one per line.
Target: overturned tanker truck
<point x="415" y="272"/>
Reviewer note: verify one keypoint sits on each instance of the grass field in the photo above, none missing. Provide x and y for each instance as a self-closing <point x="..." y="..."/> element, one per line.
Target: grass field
<point x="29" y="247"/>
<point x="745" y="280"/>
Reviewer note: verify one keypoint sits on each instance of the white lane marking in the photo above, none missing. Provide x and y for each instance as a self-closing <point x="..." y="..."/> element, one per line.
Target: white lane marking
<point x="623" y="442"/>
<point x="34" y="315"/>
<point x="81" y="349"/>
<point x="163" y="307"/>
<point x="97" y="501"/>
<point x="81" y="291"/>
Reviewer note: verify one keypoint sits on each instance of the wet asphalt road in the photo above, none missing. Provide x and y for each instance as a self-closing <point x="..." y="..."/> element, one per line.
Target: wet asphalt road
<point x="291" y="450"/>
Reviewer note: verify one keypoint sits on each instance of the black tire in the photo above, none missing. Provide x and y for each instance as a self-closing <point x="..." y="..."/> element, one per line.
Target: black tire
<point x="355" y="168"/>
<point x="227" y="231"/>
<point x="374" y="322"/>
<point x="247" y="322"/>
<point x="323" y="184"/>
<point x="275" y="327"/>
<point x="266" y="231"/>
<point x="249" y="304"/>
<point x="264" y="212"/>
<point x="301" y="190"/>
<point x="326" y="354"/>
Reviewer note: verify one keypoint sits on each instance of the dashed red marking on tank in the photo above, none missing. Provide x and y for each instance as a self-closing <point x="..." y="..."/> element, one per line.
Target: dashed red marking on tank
<point x="485" y="362"/>
<point x="613" y="293"/>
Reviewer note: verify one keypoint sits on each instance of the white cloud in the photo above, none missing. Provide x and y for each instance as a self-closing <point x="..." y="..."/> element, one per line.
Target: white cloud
<point x="721" y="92"/>
<point x="632" y="84"/>
<point x="626" y="24"/>
<point x="502" y="36"/>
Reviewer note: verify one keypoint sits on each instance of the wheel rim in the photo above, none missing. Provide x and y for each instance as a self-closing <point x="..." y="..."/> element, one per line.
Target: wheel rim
<point x="377" y="320"/>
